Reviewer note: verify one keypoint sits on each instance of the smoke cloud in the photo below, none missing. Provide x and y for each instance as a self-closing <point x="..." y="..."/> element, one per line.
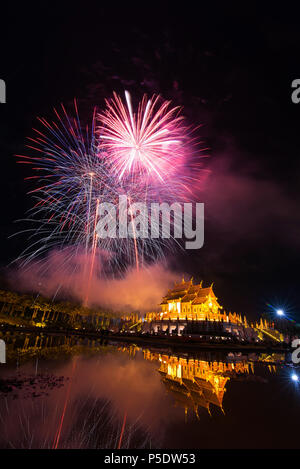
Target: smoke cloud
<point x="61" y="275"/>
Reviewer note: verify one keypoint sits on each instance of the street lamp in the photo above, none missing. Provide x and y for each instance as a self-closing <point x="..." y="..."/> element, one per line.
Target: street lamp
<point x="280" y="312"/>
<point x="295" y="377"/>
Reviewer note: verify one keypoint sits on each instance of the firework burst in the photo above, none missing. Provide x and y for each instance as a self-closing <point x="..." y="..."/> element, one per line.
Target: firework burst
<point x="144" y="156"/>
<point x="150" y="142"/>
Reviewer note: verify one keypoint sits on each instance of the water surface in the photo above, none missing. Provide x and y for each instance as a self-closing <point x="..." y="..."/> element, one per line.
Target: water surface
<point x="58" y="392"/>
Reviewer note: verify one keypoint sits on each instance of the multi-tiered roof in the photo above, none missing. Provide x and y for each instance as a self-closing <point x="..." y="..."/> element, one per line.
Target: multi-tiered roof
<point x="186" y="292"/>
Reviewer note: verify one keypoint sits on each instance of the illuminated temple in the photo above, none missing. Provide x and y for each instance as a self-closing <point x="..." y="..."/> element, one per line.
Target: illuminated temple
<point x="194" y="310"/>
<point x="187" y="301"/>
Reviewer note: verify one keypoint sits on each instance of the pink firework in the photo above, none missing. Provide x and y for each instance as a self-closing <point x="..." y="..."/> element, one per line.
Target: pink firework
<point x="150" y="142"/>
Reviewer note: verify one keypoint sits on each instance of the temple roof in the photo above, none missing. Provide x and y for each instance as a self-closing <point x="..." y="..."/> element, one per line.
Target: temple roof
<point x="203" y="295"/>
<point x="187" y="292"/>
<point x="183" y="286"/>
<point x="195" y="288"/>
<point x="188" y="297"/>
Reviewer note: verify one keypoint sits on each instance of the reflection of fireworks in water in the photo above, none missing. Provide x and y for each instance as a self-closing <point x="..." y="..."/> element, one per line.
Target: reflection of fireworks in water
<point x="93" y="401"/>
<point x="59" y="429"/>
<point x="107" y="429"/>
<point x="95" y="424"/>
<point x="146" y="157"/>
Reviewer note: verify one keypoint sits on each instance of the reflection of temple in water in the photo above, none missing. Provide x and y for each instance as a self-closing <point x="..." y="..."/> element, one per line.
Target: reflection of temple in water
<point x="197" y="383"/>
<point x="201" y="382"/>
<point x="28" y="344"/>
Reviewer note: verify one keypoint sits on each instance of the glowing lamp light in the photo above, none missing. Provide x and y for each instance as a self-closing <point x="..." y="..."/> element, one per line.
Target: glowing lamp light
<point x="295" y="377"/>
<point x="280" y="312"/>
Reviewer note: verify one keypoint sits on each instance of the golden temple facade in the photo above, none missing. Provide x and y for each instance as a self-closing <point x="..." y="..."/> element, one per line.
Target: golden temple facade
<point x="192" y="309"/>
<point x="186" y="301"/>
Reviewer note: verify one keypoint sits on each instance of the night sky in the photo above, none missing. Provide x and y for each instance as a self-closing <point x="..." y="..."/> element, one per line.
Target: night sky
<point x="230" y="68"/>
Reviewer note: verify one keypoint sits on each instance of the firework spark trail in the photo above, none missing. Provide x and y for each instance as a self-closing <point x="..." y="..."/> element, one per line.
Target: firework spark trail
<point x="58" y="432"/>
<point x="88" y="221"/>
<point x="95" y="237"/>
<point x="89" y="212"/>
<point x="134" y="239"/>
<point x="122" y="430"/>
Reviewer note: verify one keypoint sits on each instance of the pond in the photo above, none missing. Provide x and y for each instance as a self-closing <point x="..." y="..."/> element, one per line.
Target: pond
<point x="58" y="392"/>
